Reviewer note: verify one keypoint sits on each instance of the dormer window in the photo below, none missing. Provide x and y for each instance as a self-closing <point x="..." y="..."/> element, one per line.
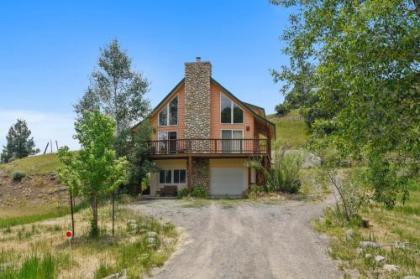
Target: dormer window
<point x="230" y="113"/>
<point x="169" y="114"/>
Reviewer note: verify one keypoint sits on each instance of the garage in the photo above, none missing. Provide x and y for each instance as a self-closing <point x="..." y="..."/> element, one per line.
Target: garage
<point x="228" y="181"/>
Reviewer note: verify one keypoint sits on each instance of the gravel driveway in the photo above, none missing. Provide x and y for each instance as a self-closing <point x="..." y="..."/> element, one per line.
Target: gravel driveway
<point x="244" y="240"/>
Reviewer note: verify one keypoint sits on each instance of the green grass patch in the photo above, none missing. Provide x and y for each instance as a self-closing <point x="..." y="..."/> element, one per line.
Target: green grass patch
<point x="32" y="218"/>
<point x="291" y="130"/>
<point x="40" y="164"/>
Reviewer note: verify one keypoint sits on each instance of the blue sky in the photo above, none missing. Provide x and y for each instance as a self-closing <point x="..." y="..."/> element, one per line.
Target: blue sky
<point x="49" y="48"/>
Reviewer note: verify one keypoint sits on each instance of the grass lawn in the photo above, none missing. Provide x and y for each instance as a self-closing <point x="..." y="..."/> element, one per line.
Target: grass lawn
<point x="396" y="230"/>
<point x="40" y="164"/>
<point x="291" y="130"/>
<point x="41" y="249"/>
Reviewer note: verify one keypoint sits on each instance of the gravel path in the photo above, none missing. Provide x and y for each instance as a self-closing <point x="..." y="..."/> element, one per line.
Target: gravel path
<point x="244" y="240"/>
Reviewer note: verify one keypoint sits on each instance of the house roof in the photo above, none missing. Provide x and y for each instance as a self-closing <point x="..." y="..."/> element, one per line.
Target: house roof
<point x="250" y="107"/>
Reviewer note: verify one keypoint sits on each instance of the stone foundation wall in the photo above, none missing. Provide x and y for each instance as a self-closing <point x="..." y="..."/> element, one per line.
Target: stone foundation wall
<point x="201" y="173"/>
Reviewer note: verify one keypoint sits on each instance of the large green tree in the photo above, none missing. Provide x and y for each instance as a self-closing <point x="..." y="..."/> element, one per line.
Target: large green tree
<point x="95" y="170"/>
<point x="366" y="81"/>
<point x="19" y="144"/>
<point x="118" y="91"/>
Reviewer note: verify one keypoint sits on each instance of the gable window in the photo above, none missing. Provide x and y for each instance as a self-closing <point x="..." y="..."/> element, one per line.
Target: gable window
<point x="169" y="114"/>
<point x="230" y="112"/>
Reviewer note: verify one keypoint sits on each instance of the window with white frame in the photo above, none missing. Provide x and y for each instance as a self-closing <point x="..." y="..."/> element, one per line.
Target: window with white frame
<point x="230" y="113"/>
<point x="175" y="176"/>
<point x="169" y="114"/>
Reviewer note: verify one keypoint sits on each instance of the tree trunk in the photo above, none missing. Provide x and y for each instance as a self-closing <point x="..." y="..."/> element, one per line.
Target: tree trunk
<point x="94" y="230"/>
<point x="72" y="212"/>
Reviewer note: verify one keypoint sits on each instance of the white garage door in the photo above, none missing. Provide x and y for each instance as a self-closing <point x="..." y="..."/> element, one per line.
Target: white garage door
<point x="228" y="181"/>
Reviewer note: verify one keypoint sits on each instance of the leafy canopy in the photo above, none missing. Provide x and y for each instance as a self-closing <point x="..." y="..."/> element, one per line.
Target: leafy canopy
<point x="116" y="89"/>
<point x="365" y="82"/>
<point x="94" y="171"/>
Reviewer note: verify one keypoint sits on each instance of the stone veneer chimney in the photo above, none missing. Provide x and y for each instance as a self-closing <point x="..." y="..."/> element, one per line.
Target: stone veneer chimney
<point x="197" y="99"/>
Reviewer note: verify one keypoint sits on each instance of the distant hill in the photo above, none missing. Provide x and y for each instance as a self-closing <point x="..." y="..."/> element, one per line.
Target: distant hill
<point x="291" y="129"/>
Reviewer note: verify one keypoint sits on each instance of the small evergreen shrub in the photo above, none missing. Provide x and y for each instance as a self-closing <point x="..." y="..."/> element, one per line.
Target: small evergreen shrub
<point x="18" y="176"/>
<point x="199" y="192"/>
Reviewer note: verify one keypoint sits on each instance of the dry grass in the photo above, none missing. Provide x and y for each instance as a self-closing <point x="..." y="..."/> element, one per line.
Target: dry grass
<point x="85" y="257"/>
<point x="387" y="227"/>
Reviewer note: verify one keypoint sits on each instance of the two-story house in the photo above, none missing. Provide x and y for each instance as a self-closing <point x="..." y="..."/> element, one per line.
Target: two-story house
<point x="203" y="135"/>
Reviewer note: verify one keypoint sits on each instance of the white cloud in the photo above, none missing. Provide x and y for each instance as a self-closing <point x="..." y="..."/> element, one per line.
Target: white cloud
<point x="45" y="126"/>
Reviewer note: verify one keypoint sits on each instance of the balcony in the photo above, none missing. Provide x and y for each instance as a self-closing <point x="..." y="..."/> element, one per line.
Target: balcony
<point x="209" y="147"/>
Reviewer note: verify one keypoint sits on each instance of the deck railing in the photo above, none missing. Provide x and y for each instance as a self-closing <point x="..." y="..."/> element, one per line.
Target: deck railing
<point x="210" y="146"/>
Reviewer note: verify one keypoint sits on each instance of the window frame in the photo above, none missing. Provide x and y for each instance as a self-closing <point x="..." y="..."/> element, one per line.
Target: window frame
<point x="232" y="106"/>
<point x="179" y="176"/>
<point x="168" y="113"/>
<point x="172" y="173"/>
<point x="165" y="176"/>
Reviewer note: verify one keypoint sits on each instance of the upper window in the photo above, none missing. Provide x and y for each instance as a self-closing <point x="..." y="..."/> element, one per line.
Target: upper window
<point x="230" y="112"/>
<point x="169" y="114"/>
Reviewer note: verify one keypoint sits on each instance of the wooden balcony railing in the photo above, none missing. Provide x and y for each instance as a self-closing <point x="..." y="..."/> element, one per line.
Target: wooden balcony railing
<point x="210" y="146"/>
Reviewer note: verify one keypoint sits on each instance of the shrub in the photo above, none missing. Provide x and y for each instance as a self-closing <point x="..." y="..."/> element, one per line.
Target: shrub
<point x="18" y="176"/>
<point x="284" y="174"/>
<point x="199" y="192"/>
<point x="185" y="192"/>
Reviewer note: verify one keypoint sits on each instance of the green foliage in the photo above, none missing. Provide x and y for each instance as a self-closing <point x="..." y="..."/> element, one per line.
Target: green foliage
<point x="282" y="109"/>
<point x="19" y="144"/>
<point x="284" y="173"/>
<point x="198" y="192"/>
<point x="389" y="182"/>
<point x="364" y="83"/>
<point x="183" y="193"/>
<point x="94" y="171"/>
<point x="140" y="164"/>
<point x="17" y="176"/>
<point x="118" y="91"/>
<point x="34" y="267"/>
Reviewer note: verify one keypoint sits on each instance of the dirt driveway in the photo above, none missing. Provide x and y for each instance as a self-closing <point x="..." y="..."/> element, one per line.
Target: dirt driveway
<point x="244" y="240"/>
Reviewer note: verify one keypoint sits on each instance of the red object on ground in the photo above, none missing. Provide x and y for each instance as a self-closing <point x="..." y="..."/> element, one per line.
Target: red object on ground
<point x="69" y="234"/>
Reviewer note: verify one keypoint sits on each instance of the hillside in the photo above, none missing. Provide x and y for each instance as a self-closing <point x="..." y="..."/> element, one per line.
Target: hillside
<point x="40" y="164"/>
<point x="39" y="192"/>
<point x="291" y="130"/>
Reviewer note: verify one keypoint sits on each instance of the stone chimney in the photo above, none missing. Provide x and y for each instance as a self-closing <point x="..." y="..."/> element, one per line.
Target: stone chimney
<point x="197" y="99"/>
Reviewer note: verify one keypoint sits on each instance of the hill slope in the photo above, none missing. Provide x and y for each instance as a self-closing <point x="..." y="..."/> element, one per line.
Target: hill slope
<point x="291" y="130"/>
<point x="40" y="164"/>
